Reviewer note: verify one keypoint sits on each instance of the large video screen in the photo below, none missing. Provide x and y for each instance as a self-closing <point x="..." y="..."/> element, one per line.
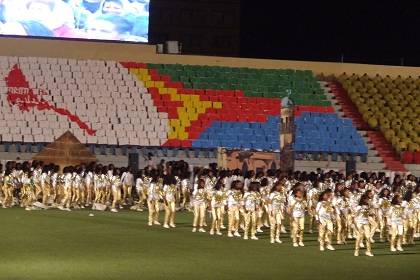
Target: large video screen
<point x="115" y="20"/>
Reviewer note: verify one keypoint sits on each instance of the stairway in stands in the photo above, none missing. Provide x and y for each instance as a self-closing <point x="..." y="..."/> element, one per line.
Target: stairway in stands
<point x="386" y="151"/>
<point x="350" y="110"/>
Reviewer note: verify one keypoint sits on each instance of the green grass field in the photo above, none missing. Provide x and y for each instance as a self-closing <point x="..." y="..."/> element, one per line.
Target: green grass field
<point x="56" y="244"/>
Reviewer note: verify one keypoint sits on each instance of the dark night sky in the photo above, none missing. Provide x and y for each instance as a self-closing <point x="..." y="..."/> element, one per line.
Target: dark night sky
<point x="375" y="32"/>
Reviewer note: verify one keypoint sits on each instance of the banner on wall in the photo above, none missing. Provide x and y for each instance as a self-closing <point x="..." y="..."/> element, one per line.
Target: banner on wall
<point x="114" y="20"/>
<point x="248" y="160"/>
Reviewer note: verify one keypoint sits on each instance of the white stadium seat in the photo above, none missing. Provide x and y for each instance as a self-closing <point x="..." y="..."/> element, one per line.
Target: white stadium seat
<point x="123" y="141"/>
<point x="92" y="139"/>
<point x="6" y="137"/>
<point x="141" y="134"/>
<point x="64" y="125"/>
<point x="28" y="138"/>
<point x="131" y="134"/>
<point x="26" y="131"/>
<point x="37" y="131"/>
<point x="112" y="140"/>
<point x="121" y="133"/>
<point x="134" y="141"/>
<point x="102" y="140"/>
<point x="54" y="125"/>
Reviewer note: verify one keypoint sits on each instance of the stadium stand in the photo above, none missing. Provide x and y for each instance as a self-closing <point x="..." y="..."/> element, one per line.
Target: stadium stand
<point x="134" y="105"/>
<point x="390" y="107"/>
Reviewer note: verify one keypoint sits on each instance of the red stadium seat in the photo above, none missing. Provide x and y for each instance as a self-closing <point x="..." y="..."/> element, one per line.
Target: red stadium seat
<point x="176" y="143"/>
<point x="407" y="157"/>
<point x="214" y="98"/>
<point x="211" y="111"/>
<point x="153" y="72"/>
<point x="224" y="117"/>
<point x="186" y="143"/>
<point x="210" y="91"/>
<point x="242" y="118"/>
<point x="165" y="97"/>
<point x="223" y="98"/>
<point x="416" y="157"/>
<point x="154" y="90"/>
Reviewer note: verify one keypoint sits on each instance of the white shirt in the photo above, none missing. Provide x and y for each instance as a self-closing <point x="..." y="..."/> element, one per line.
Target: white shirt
<point x="200" y="196"/>
<point x="140" y="186"/>
<point x="324" y="210"/>
<point x="210" y="183"/>
<point x="234" y="198"/>
<point x="127" y="178"/>
<point x="89" y="178"/>
<point x="116" y="182"/>
<point x="252" y="200"/>
<point x="384" y="205"/>
<point x="153" y="192"/>
<point x="68" y="180"/>
<point x="185" y="184"/>
<point x="298" y="207"/>
<point x="396" y="215"/>
<point x="362" y="214"/>
<point x="37" y="175"/>
<point x="218" y="198"/>
<point x="170" y="192"/>
<point x="97" y="181"/>
<point x="277" y="201"/>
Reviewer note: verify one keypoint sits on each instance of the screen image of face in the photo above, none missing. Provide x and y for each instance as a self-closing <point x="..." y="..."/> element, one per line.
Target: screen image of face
<point x="114" y="20"/>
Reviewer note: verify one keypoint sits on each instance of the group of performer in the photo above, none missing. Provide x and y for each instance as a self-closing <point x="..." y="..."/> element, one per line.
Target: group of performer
<point x="352" y="206"/>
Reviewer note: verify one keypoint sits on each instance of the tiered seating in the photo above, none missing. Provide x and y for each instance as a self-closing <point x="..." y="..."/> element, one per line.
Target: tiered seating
<point x="99" y="102"/>
<point x="268" y="83"/>
<point x="326" y="132"/>
<point x="138" y="104"/>
<point x="389" y="105"/>
<point x="227" y="115"/>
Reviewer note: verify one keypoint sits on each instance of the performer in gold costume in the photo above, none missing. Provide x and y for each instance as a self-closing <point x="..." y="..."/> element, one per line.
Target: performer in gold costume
<point x="396" y="216"/>
<point x="218" y="202"/>
<point x="67" y="186"/>
<point x="154" y="195"/>
<point x="127" y="179"/>
<point x="409" y="216"/>
<point x="252" y="203"/>
<point x="416" y="218"/>
<point x="45" y="183"/>
<point x="89" y="186"/>
<point x="234" y="203"/>
<point x="29" y="191"/>
<point x="170" y="191"/>
<point x="98" y="186"/>
<point x="37" y="178"/>
<point x="383" y="211"/>
<point x="361" y="217"/>
<point x="55" y="183"/>
<point x="324" y="216"/>
<point x="200" y="198"/>
<point x="141" y="189"/>
<point x="276" y="208"/>
<point x="313" y="198"/>
<point x="185" y="188"/>
<point x="116" y="186"/>
<point x="7" y="189"/>
<point x="343" y="214"/>
<point x="298" y="206"/>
